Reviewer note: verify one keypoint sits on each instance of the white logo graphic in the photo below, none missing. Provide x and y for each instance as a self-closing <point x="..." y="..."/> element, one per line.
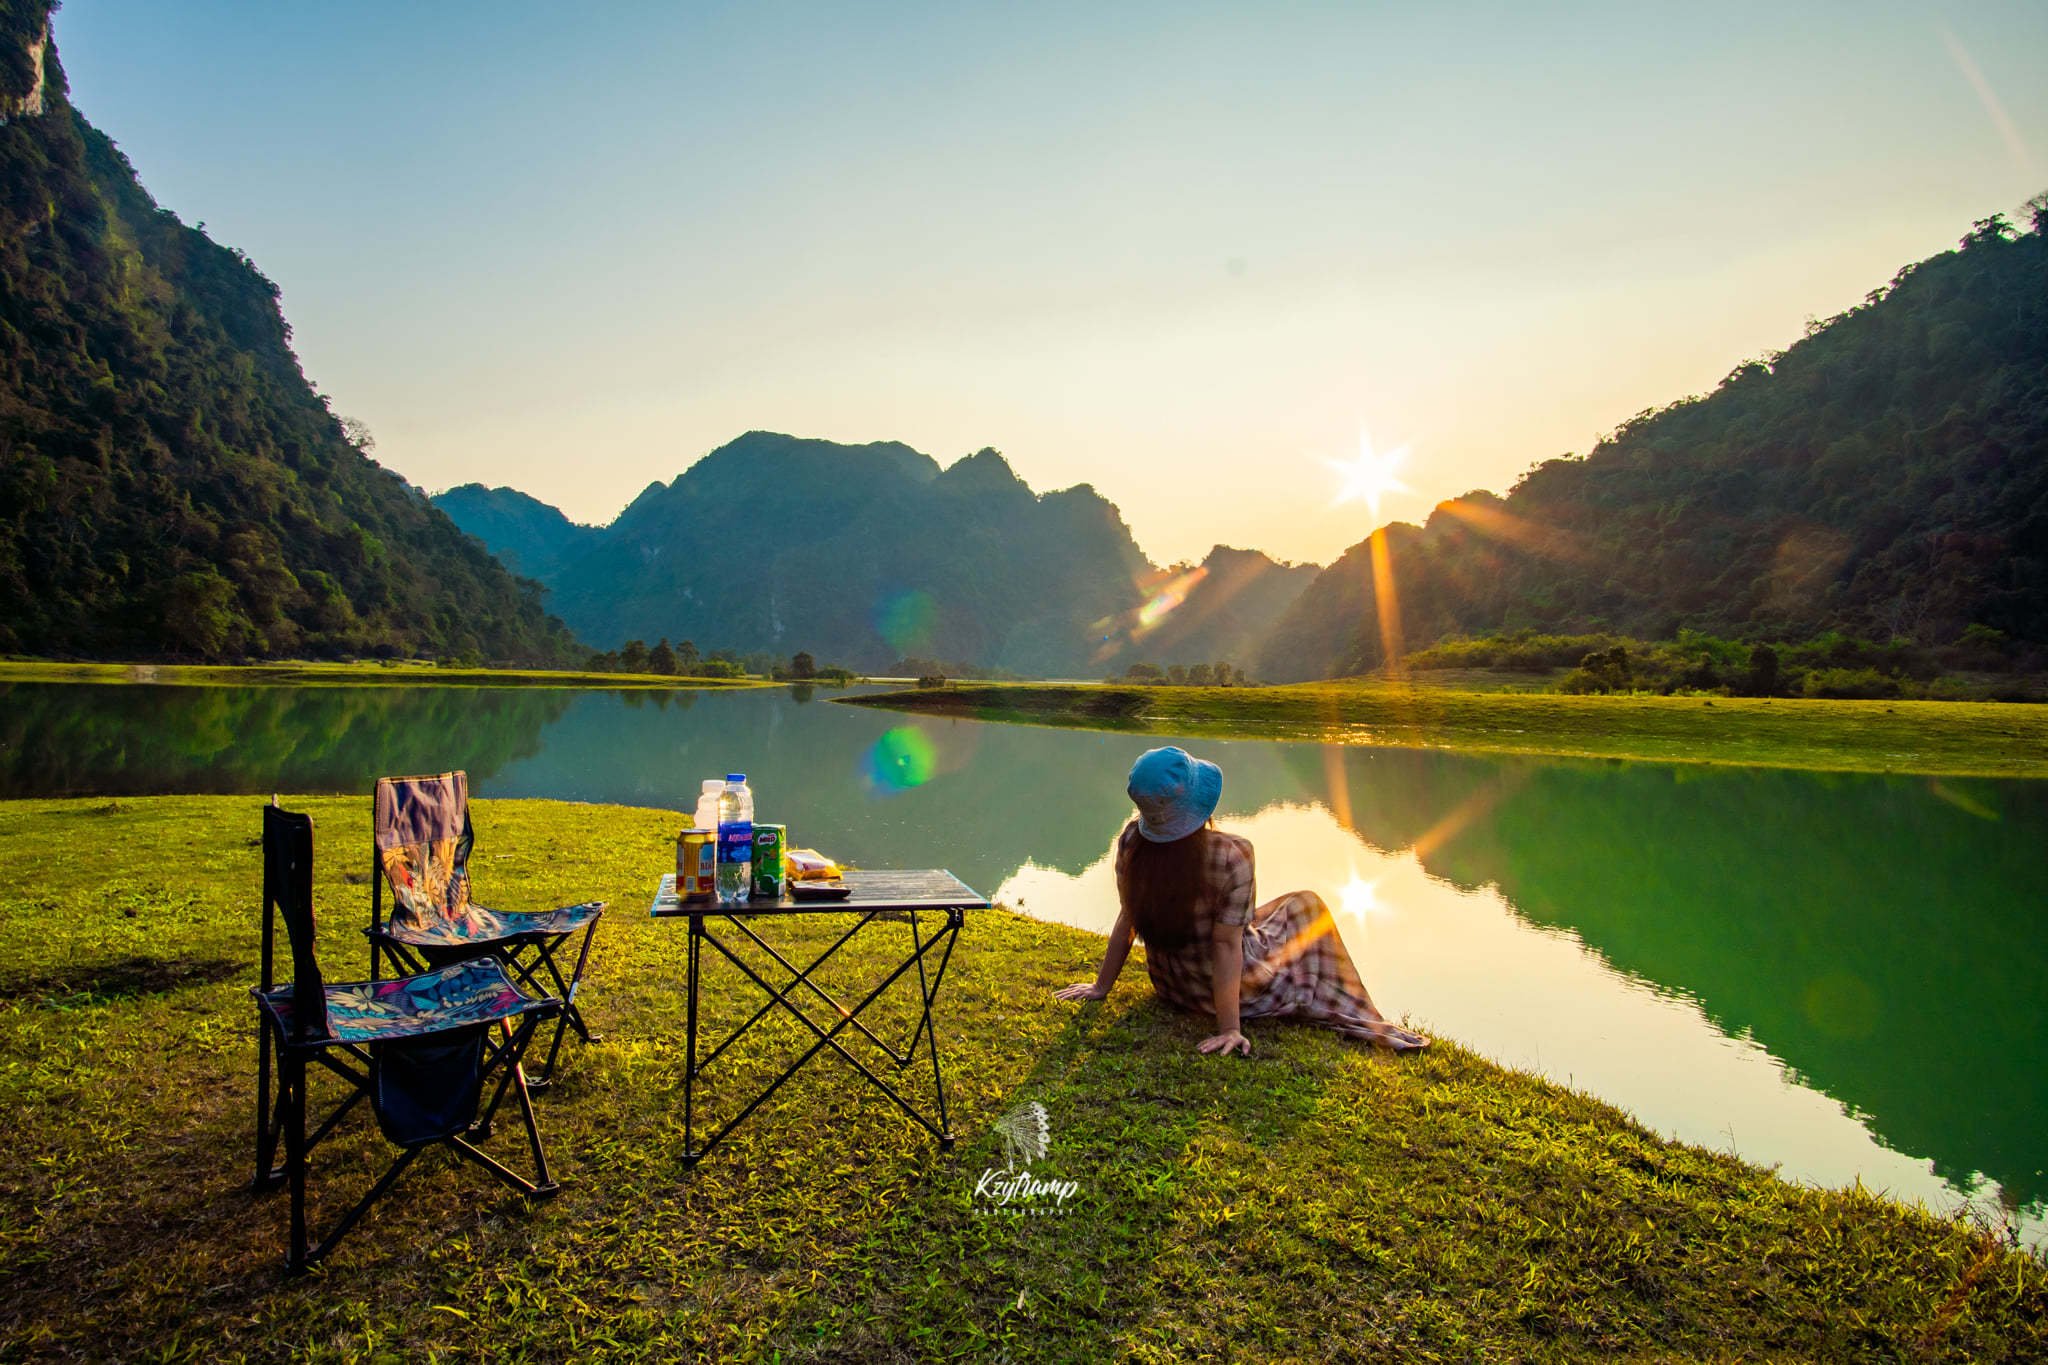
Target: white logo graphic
<point x="1014" y="1188"/>
<point x="1026" y="1133"/>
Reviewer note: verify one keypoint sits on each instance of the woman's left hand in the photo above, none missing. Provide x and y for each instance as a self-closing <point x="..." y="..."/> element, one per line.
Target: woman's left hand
<point x="1226" y="1043"/>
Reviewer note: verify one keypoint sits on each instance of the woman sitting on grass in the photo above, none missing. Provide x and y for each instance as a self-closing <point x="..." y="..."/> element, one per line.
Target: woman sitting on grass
<point x="1185" y="888"/>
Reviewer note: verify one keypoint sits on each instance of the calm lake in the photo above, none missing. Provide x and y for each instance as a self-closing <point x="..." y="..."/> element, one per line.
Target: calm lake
<point x="1842" y="976"/>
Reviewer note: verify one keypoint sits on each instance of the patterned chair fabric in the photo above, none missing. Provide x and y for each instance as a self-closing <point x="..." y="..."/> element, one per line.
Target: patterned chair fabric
<point x="424" y="838"/>
<point x="474" y="991"/>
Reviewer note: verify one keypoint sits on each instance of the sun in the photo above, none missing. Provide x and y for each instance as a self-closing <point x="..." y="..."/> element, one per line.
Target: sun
<point x="1370" y="477"/>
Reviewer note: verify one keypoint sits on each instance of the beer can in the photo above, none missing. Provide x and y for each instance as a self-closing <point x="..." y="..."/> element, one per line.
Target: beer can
<point x="696" y="865"/>
<point x="771" y="867"/>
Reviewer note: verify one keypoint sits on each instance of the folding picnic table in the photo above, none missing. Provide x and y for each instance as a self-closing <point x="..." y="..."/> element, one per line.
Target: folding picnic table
<point x="878" y="897"/>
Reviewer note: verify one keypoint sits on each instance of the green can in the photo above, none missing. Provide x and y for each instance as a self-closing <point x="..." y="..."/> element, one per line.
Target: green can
<point x="771" y="866"/>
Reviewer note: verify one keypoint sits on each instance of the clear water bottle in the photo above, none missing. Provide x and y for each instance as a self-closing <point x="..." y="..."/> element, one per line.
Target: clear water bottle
<point x="735" y="841"/>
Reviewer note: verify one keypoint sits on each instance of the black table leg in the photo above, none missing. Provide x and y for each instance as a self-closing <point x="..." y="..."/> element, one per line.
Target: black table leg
<point x="954" y="921"/>
<point x="690" y="1152"/>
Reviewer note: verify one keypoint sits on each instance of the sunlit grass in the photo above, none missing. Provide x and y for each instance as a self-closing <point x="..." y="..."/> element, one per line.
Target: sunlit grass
<point x="1316" y="1198"/>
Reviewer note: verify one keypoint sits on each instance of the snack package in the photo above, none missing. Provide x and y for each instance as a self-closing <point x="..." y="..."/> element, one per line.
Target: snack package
<point x="809" y="865"/>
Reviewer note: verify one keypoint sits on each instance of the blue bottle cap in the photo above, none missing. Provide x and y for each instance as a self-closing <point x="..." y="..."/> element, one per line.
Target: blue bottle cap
<point x="735" y="777"/>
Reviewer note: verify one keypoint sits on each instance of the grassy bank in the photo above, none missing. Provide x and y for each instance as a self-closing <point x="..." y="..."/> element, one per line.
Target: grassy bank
<point x="1316" y="1199"/>
<point x="1978" y="739"/>
<point x="295" y="674"/>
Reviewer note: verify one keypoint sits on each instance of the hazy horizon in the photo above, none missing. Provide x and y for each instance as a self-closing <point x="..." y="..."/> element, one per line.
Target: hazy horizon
<point x="1184" y="253"/>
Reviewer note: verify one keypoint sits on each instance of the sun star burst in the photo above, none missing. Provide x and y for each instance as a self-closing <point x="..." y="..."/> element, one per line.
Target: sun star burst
<point x="1369" y="477"/>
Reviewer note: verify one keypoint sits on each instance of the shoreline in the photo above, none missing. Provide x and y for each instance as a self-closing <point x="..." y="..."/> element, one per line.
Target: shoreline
<point x="311" y="674"/>
<point x="1921" y="738"/>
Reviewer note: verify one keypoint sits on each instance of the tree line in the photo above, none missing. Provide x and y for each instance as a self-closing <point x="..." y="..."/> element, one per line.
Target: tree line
<point x="1218" y="674"/>
<point x="1983" y="664"/>
<point x="684" y="660"/>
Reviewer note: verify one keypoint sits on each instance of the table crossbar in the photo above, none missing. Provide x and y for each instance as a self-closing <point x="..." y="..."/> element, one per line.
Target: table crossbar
<point x="877" y="897"/>
<point x="800" y="975"/>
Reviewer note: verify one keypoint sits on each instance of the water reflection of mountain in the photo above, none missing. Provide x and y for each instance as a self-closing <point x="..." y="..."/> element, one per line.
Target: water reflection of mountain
<point x="1884" y="937"/>
<point x="60" y="739"/>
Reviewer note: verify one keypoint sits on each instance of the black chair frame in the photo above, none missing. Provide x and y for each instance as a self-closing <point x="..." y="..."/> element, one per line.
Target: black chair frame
<point x="294" y="1042"/>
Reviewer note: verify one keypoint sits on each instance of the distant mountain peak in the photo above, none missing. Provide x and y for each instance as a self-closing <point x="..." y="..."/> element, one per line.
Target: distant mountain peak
<point x="860" y="554"/>
<point x="780" y="446"/>
<point x="1220" y="556"/>
<point x="534" y="538"/>
<point x="985" y="471"/>
<point x="1081" y="493"/>
<point x="473" y="493"/>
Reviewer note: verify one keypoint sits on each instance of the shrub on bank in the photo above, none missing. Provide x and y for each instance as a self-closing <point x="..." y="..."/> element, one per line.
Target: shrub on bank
<point x="1850" y="684"/>
<point x="1831" y="665"/>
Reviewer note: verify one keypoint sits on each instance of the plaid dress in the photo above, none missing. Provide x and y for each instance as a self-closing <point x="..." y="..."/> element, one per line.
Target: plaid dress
<point x="1295" y="965"/>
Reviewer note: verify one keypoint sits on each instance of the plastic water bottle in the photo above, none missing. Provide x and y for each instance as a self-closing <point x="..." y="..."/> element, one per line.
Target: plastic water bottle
<point x="735" y="841"/>
<point x="707" y="805"/>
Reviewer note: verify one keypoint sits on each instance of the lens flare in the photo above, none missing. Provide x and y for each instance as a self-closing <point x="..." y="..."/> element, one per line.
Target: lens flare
<point x="1486" y="517"/>
<point x="1386" y="597"/>
<point x="905" y="621"/>
<point x="1167" y="600"/>
<point x="1963" y="801"/>
<point x="1164" y="592"/>
<point x="900" y="760"/>
<point x="2022" y="155"/>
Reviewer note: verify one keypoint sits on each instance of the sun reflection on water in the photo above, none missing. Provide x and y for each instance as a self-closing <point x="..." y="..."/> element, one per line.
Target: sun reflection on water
<point x="1360" y="898"/>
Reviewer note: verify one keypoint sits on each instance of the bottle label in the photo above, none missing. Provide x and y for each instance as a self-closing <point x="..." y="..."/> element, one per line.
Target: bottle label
<point x="736" y="842"/>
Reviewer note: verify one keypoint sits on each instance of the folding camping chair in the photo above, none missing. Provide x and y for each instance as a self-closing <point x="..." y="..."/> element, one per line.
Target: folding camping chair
<point x="421" y="844"/>
<point x="422" y="1048"/>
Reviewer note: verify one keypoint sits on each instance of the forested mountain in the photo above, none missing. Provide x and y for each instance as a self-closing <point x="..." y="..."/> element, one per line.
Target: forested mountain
<point x="1885" y="476"/>
<point x="532" y="538"/>
<point x="170" y="484"/>
<point x="857" y="554"/>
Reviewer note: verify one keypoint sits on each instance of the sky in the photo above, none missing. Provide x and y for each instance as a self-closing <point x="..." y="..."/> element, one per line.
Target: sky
<point x="1192" y="254"/>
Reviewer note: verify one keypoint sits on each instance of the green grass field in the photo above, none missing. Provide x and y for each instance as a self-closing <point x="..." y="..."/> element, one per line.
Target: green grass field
<point x="408" y="673"/>
<point x="1314" y="1201"/>
<point x="1978" y="739"/>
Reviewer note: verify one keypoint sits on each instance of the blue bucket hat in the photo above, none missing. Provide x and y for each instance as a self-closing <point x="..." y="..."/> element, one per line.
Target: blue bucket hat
<point x="1174" y="792"/>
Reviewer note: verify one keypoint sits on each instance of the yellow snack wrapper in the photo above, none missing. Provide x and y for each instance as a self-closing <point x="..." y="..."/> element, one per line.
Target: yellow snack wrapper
<point x="809" y="865"/>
